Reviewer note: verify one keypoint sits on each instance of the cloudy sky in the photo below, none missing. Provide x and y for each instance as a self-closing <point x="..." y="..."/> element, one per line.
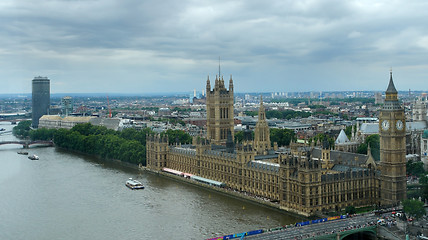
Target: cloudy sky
<point x="143" y="46"/>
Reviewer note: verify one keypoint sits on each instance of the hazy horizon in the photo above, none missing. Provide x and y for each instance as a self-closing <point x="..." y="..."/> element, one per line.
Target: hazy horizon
<point x="186" y="94"/>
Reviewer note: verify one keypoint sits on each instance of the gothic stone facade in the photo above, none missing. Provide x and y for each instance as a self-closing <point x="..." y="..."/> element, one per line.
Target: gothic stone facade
<point x="302" y="179"/>
<point x="219" y="111"/>
<point x="392" y="126"/>
<point x="295" y="179"/>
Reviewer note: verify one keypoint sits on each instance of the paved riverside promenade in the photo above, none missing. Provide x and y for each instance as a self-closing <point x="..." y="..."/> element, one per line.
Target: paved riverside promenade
<point x="322" y="230"/>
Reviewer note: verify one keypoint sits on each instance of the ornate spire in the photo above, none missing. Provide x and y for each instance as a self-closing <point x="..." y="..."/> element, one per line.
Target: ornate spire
<point x="391" y="87"/>
<point x="325" y="144"/>
<point x="262" y="114"/>
<point x="369" y="150"/>
<point x="219" y="67"/>
<point x="261" y="133"/>
<point x="391" y="93"/>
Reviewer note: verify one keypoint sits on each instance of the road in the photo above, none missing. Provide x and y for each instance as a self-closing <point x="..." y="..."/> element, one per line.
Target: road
<point x="318" y="229"/>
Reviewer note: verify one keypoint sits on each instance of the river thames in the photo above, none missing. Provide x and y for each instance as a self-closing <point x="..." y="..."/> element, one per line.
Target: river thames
<point x="70" y="196"/>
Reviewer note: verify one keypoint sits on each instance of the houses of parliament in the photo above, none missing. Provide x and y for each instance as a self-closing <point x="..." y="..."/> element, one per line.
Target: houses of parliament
<point x="302" y="179"/>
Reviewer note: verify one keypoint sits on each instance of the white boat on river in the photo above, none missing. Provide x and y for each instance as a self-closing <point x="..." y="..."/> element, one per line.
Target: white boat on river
<point x="134" y="184"/>
<point x="33" y="157"/>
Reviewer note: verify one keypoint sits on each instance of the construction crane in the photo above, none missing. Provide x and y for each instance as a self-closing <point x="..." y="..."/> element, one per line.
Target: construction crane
<point x="109" y="110"/>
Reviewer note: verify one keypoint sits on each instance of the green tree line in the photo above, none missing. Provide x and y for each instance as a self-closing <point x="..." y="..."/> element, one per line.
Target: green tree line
<point x="281" y="136"/>
<point x="177" y="136"/>
<point x="286" y="114"/>
<point x="128" y="145"/>
<point x="333" y="101"/>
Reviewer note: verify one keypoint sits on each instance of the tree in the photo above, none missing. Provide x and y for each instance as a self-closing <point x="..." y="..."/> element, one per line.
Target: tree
<point x="22" y="129"/>
<point x="320" y="138"/>
<point x="282" y="136"/>
<point x="103" y="142"/>
<point x="84" y="128"/>
<point x="348" y="131"/>
<point x="424" y="191"/>
<point x="317" y="107"/>
<point x="286" y="114"/>
<point x="362" y="148"/>
<point x="42" y="134"/>
<point x="281" y="114"/>
<point x="423" y="179"/>
<point x="374" y="142"/>
<point x="251" y="113"/>
<point x="414" y="208"/>
<point x="180" y="135"/>
<point x="415" y="168"/>
<point x="239" y="136"/>
<point x="350" y="210"/>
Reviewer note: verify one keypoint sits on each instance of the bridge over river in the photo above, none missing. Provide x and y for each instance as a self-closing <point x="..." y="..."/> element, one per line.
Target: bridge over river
<point x="28" y="143"/>
<point x="358" y="227"/>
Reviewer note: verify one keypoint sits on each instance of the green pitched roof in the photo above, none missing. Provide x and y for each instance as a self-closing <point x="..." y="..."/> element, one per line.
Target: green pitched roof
<point x="425" y="135"/>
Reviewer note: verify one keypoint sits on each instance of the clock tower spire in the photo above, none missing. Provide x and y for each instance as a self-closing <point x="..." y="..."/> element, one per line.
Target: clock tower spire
<point x="392" y="128"/>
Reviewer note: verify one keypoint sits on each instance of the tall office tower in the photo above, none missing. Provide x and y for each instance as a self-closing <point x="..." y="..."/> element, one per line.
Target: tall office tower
<point x="67" y="105"/>
<point x="219" y="111"/>
<point x="40" y="98"/>
<point x="392" y="126"/>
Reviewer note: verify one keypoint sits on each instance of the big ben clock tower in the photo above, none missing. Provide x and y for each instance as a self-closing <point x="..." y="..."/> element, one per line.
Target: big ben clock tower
<point x="392" y="128"/>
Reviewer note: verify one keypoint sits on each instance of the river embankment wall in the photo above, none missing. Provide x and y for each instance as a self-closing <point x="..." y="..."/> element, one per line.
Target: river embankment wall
<point x="226" y="192"/>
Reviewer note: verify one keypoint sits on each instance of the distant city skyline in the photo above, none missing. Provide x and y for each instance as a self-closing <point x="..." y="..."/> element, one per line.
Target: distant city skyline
<point x="148" y="47"/>
<point x="255" y="95"/>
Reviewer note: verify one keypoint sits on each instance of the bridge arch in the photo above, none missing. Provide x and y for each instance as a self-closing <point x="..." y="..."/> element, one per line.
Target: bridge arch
<point x="26" y="144"/>
<point x="369" y="234"/>
<point x="40" y="142"/>
<point x="13" y="142"/>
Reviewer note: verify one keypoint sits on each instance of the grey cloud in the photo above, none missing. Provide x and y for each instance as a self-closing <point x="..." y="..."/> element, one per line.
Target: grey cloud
<point x="158" y="45"/>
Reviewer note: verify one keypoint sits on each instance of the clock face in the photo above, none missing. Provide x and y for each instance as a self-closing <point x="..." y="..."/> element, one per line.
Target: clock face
<point x="385" y="125"/>
<point x="399" y="125"/>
